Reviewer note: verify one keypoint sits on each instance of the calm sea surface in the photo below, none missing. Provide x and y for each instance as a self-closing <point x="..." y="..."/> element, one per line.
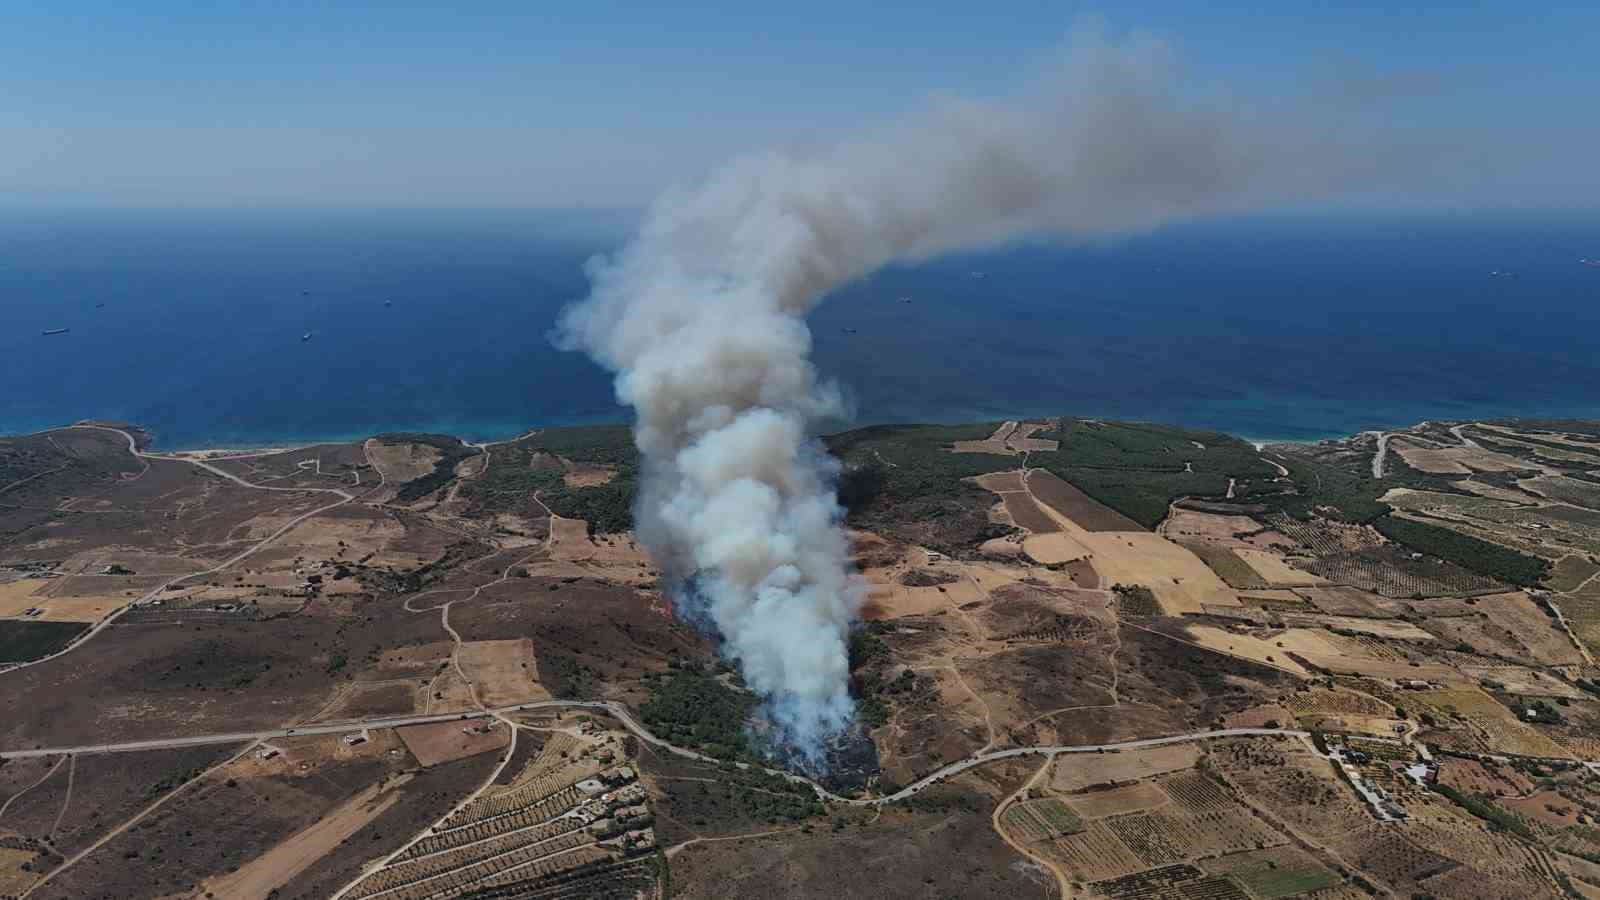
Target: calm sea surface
<point x="192" y="325"/>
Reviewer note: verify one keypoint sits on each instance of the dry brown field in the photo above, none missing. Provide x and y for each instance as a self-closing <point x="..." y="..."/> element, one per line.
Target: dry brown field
<point x="258" y="878"/>
<point x="400" y="463"/>
<point x="1474" y="777"/>
<point x="358" y="700"/>
<point x="1191" y="525"/>
<point x="503" y="672"/>
<point x="1095" y="854"/>
<point x="442" y="742"/>
<point x="1348" y="601"/>
<point x="1276" y="571"/>
<point x="1076" y="771"/>
<point x="1081" y="509"/>
<point x="1001" y="482"/>
<point x="1511" y="626"/>
<point x="1456" y="460"/>
<point x="1180" y="581"/>
<point x="1026" y="514"/>
<point x="1273" y="652"/>
<point x="1496" y="726"/>
<point x="1523" y="680"/>
<point x="1392" y="629"/>
<point x="1053" y="549"/>
<point x="1135" y="797"/>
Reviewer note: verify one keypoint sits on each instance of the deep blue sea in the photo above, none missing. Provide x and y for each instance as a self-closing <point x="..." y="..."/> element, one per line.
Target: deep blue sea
<point x="1288" y="328"/>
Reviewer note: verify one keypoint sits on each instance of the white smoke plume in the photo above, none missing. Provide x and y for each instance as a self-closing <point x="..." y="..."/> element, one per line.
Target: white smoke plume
<point x="702" y="316"/>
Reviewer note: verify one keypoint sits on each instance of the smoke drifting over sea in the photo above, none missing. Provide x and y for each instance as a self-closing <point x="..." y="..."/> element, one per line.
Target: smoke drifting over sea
<point x="702" y="317"/>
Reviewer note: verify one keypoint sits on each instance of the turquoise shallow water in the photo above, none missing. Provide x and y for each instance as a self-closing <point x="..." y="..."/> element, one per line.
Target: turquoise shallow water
<point x="191" y="324"/>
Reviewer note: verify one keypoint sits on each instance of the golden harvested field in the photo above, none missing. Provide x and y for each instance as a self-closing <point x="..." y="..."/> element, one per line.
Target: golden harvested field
<point x="1076" y="771"/>
<point x="1118" y="801"/>
<point x="504" y="672"/>
<point x="1393" y="629"/>
<point x="891" y="599"/>
<point x="14" y="594"/>
<point x="1348" y="601"/>
<point x="1455" y="460"/>
<point x="1370" y="667"/>
<point x="1261" y="650"/>
<point x="441" y="742"/>
<point x="62" y="609"/>
<point x="1274" y="599"/>
<point x="1189" y="525"/>
<point x="1053" y="549"/>
<point x="1276" y="571"/>
<point x="1180" y="581"/>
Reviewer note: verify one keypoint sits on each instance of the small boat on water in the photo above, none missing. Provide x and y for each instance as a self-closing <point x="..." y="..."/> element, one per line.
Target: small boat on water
<point x="50" y="331"/>
<point x="305" y="337"/>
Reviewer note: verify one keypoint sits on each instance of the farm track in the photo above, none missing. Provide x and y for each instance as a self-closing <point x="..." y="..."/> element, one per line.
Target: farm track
<point x="143" y="457"/>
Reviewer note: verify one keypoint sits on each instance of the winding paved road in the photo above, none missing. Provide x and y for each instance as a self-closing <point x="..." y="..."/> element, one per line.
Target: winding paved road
<point x="622" y="714"/>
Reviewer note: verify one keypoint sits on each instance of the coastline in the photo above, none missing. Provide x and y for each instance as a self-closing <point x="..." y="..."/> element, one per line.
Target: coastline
<point x="225" y="447"/>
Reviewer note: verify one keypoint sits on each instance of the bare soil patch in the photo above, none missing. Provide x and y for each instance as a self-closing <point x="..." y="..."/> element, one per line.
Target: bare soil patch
<point x="442" y="742"/>
<point x="583" y="475"/>
<point x="1001" y="482"/>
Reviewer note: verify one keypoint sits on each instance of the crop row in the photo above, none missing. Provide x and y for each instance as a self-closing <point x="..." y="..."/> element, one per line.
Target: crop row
<point x="519" y="864"/>
<point x="537" y="796"/>
<point x="547" y="839"/>
<point x="1194" y="791"/>
<point x="603" y="880"/>
<point x="1151" y="883"/>
<point x="1144" y="834"/>
<point x="528" y="819"/>
<point x="535" y="791"/>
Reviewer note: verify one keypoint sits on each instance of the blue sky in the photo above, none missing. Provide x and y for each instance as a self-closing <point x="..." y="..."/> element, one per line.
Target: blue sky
<point x="556" y="104"/>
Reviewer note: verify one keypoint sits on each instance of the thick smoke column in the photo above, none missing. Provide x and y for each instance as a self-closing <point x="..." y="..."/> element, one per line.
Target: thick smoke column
<point x="702" y="319"/>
